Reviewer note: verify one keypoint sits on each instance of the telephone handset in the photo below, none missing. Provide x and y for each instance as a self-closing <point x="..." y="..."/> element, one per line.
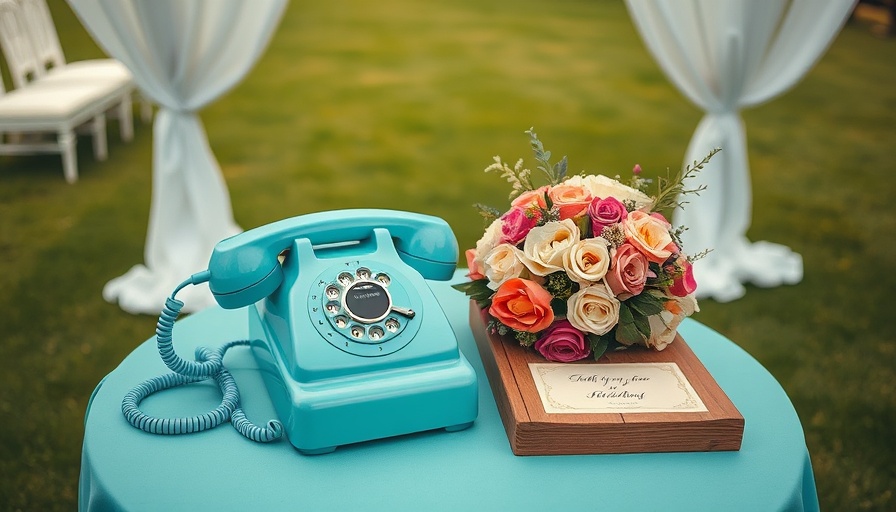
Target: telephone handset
<point x="351" y="342"/>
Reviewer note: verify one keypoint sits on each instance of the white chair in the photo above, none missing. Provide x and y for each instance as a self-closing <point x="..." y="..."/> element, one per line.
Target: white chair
<point x="57" y="106"/>
<point x="51" y="64"/>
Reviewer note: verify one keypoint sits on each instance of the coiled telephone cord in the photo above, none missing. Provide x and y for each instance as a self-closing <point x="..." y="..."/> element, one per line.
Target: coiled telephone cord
<point x="209" y="364"/>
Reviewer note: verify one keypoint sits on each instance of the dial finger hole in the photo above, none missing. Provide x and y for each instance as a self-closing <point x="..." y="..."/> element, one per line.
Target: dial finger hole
<point x="376" y="333"/>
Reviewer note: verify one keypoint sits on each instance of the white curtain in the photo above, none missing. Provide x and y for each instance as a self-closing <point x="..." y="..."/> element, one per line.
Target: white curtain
<point x="726" y="55"/>
<point x="184" y="54"/>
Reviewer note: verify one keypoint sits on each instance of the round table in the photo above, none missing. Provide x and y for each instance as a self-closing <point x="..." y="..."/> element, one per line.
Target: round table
<point x="123" y="468"/>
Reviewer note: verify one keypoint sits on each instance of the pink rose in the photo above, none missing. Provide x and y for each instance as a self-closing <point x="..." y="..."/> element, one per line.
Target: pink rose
<point x="628" y="272"/>
<point x="473" y="265"/>
<point x="605" y="212"/>
<point x="516" y="224"/>
<point x="571" y="200"/>
<point x="522" y="305"/>
<point x="684" y="284"/>
<point x="531" y="199"/>
<point x="563" y="343"/>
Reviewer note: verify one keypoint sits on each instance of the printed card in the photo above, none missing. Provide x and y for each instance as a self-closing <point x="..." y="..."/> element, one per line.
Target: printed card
<point x="614" y="388"/>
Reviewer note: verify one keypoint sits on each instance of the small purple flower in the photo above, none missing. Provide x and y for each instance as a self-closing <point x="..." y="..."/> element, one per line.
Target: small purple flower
<point x="636" y="170"/>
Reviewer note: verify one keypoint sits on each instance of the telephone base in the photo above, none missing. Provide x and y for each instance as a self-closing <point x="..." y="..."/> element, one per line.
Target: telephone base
<point x="318" y="451"/>
<point x="320" y="416"/>
<point x="458" y="428"/>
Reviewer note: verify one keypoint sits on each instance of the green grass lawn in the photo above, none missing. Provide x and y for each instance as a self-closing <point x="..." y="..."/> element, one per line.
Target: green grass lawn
<point x="401" y="104"/>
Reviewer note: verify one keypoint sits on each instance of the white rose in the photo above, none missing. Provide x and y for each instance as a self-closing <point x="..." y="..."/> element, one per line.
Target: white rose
<point x="545" y="245"/>
<point x="604" y="187"/>
<point x="501" y="264"/>
<point x="489" y="240"/>
<point x="587" y="261"/>
<point x="593" y="309"/>
<point x="664" y="325"/>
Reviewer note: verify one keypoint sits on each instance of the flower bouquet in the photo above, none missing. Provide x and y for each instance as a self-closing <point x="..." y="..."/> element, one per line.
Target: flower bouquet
<point x="583" y="264"/>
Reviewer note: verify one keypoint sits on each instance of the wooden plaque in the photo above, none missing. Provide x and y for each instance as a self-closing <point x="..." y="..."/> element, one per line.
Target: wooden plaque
<point x="532" y="431"/>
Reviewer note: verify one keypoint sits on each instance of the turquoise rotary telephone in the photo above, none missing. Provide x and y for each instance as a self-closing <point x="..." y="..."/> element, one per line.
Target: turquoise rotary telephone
<point x="350" y="340"/>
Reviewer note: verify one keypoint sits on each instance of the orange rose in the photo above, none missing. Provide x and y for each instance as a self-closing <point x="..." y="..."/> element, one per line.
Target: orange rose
<point x="522" y="305"/>
<point x="531" y="199"/>
<point x="571" y="200"/>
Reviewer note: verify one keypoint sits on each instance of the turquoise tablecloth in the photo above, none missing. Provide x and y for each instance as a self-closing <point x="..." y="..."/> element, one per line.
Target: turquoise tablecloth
<point x="123" y="468"/>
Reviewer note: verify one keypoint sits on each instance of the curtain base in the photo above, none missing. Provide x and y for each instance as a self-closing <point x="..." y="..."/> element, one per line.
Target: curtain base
<point x="721" y="276"/>
<point x="142" y="291"/>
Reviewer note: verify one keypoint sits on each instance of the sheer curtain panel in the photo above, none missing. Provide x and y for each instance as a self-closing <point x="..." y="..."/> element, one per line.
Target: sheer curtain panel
<point x="183" y="54"/>
<point x="726" y="55"/>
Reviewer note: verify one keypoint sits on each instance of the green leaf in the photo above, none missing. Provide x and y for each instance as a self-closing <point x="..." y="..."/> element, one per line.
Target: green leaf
<point x="627" y="331"/>
<point x="560" y="169"/>
<point x="547" y="201"/>
<point x="643" y="325"/>
<point x="584" y="224"/>
<point x="645" y="304"/>
<point x="628" y="334"/>
<point x="599" y="344"/>
<point x="559" y="307"/>
<point x="477" y="290"/>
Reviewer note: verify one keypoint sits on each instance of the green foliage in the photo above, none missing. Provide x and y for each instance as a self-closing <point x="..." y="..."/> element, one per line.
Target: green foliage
<point x="645" y="304"/>
<point x="671" y="188"/>
<point x="488" y="213"/>
<point x="633" y="326"/>
<point x="526" y="339"/>
<point x="519" y="177"/>
<point x="560" y="285"/>
<point x="554" y="173"/>
<point x="599" y="344"/>
<point x="477" y="290"/>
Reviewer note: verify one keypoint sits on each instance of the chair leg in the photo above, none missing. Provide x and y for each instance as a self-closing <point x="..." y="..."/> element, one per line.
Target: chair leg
<point x="100" y="150"/>
<point x="145" y="109"/>
<point x="67" y="147"/>
<point x="126" y="118"/>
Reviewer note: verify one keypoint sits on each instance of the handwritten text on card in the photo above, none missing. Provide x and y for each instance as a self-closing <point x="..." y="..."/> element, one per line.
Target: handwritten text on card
<point x="614" y="388"/>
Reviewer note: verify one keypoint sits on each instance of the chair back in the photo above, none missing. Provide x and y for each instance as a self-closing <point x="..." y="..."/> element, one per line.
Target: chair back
<point x="17" y="47"/>
<point x="39" y="25"/>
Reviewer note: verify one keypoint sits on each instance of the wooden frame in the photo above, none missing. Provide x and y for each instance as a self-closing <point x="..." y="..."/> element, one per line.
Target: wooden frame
<point x="532" y="431"/>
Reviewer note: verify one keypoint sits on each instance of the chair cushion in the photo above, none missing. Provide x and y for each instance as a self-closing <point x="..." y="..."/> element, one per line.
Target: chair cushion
<point x="97" y="69"/>
<point x="56" y="100"/>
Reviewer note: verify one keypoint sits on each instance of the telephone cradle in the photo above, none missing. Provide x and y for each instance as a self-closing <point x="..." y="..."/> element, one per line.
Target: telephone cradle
<point x="350" y="341"/>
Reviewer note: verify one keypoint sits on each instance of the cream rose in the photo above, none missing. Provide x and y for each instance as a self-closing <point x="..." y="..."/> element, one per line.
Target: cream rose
<point x="501" y="264"/>
<point x="490" y="239"/>
<point x="650" y="235"/>
<point x="587" y="261"/>
<point x="593" y="309"/>
<point x="664" y="325"/>
<point x="603" y="187"/>
<point x="545" y="245"/>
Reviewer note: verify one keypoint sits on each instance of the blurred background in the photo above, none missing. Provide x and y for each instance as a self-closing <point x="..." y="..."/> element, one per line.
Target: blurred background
<point x="402" y="104"/>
